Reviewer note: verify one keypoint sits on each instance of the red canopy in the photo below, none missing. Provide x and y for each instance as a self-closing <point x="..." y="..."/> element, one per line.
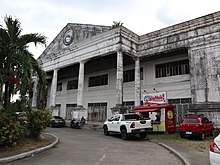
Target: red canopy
<point x="151" y="107"/>
<point x="145" y="110"/>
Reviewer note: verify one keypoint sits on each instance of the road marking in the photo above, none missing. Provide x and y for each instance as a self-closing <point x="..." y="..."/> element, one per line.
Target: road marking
<point x="102" y="158"/>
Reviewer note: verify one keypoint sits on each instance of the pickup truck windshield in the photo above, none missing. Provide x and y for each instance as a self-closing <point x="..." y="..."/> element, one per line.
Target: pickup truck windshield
<point x="132" y="117"/>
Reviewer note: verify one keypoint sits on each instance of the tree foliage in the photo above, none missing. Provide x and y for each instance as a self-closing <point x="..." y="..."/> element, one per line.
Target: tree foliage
<point x="17" y="63"/>
<point x="116" y="24"/>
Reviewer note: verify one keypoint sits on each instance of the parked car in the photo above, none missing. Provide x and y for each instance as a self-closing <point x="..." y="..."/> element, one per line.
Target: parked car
<point x="57" y="121"/>
<point x="127" y="124"/>
<point x="196" y="126"/>
<point x="214" y="151"/>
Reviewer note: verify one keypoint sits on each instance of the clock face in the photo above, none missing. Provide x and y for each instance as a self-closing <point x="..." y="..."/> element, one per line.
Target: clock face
<point x="68" y="37"/>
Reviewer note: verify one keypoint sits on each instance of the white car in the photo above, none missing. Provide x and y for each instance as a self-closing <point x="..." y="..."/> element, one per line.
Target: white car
<point x="214" y="151"/>
<point x="127" y="124"/>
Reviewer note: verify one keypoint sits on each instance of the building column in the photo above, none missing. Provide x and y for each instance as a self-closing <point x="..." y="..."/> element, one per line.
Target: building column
<point x="119" y="79"/>
<point x="79" y="110"/>
<point x="137" y="82"/>
<point x="35" y="93"/>
<point x="53" y="88"/>
<point x="80" y="84"/>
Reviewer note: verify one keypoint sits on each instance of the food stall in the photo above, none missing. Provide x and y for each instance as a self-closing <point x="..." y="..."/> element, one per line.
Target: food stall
<point x="162" y="116"/>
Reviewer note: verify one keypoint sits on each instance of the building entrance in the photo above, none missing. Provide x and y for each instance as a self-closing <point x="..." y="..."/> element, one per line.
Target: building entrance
<point x="97" y="112"/>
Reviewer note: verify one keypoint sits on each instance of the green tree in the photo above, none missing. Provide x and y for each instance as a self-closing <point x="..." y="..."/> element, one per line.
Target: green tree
<point x="17" y="64"/>
<point x="116" y="24"/>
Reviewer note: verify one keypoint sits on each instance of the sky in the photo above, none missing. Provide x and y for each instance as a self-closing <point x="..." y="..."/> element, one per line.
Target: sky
<point x="49" y="17"/>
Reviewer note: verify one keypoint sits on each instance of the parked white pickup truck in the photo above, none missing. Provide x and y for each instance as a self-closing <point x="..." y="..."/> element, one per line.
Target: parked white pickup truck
<point x="127" y="124"/>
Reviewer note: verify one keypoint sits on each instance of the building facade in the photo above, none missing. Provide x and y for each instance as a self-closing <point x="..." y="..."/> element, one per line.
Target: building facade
<point x="93" y="70"/>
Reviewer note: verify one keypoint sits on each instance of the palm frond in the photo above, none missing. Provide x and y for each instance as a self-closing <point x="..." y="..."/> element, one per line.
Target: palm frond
<point x="31" y="38"/>
<point x="13" y="28"/>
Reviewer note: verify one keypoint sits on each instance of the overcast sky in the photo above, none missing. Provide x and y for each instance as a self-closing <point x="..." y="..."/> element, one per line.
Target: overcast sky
<point x="48" y="17"/>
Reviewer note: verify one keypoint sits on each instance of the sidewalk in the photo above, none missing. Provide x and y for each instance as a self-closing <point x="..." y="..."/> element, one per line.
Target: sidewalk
<point x="188" y="155"/>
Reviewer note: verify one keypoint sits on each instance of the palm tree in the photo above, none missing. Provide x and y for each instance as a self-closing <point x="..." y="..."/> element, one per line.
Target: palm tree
<point x="17" y="64"/>
<point x="116" y="24"/>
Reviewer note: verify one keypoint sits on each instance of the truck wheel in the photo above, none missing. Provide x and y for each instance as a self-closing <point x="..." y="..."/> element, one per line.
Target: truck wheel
<point x="106" y="131"/>
<point x="143" y="135"/>
<point x="202" y="137"/>
<point x="124" y="134"/>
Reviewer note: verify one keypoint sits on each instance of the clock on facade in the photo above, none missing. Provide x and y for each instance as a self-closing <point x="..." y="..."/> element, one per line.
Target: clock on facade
<point x="68" y="37"/>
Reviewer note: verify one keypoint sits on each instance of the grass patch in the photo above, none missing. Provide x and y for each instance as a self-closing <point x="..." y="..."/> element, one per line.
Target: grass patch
<point x="200" y="145"/>
<point x="24" y="145"/>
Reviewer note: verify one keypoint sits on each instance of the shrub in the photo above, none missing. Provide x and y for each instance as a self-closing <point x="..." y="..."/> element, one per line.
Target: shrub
<point x="38" y="121"/>
<point x="9" y="130"/>
<point x="13" y="126"/>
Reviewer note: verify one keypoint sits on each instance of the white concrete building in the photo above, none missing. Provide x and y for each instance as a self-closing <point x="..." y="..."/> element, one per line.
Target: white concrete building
<point x="95" y="69"/>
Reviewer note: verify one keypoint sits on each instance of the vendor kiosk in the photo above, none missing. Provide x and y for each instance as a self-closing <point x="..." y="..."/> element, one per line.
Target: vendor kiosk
<point x="162" y="116"/>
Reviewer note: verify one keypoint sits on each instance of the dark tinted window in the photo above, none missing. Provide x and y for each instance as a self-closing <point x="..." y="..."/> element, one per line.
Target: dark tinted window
<point x="129" y="75"/>
<point x="205" y="120"/>
<point x="172" y="68"/>
<point x="58" y="117"/>
<point x="132" y="117"/>
<point x="98" y="80"/>
<point x="59" y="86"/>
<point x="72" y="84"/>
<point x="190" y="120"/>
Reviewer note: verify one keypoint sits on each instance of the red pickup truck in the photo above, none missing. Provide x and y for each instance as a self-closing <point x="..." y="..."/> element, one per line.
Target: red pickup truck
<point x="196" y="126"/>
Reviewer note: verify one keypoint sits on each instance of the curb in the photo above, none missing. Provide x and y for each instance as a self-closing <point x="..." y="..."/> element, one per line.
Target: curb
<point x="30" y="153"/>
<point x="185" y="162"/>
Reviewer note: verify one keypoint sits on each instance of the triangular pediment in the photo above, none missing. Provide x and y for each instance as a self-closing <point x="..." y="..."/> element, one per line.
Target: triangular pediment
<point x="69" y="36"/>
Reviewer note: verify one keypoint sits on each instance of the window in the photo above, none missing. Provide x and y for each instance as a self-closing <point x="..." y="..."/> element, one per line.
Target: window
<point x="96" y="104"/>
<point x="186" y="100"/>
<point x="72" y="84"/>
<point x="71" y="105"/>
<point x="172" y="68"/>
<point x="117" y="118"/>
<point x="59" y="86"/>
<point x="191" y="120"/>
<point x="205" y="120"/>
<point x="128" y="103"/>
<point x="141" y="73"/>
<point x="129" y="75"/>
<point x="98" y="80"/>
<point x="132" y="117"/>
<point x="58" y="106"/>
<point x="180" y="101"/>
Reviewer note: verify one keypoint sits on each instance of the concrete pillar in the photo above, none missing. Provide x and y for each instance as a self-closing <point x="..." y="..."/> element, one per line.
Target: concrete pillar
<point x="35" y="93"/>
<point x="137" y="82"/>
<point x="119" y="79"/>
<point x="53" y="88"/>
<point x="80" y="84"/>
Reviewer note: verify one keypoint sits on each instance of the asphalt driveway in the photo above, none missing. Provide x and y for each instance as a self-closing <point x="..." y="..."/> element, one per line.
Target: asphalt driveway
<point x="87" y="147"/>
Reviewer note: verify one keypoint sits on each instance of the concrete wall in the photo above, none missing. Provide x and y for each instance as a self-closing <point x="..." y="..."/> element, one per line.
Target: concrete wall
<point x="201" y="36"/>
<point x="176" y="87"/>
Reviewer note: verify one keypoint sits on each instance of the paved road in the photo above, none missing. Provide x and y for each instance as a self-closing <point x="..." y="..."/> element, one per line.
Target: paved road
<point x="87" y="147"/>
